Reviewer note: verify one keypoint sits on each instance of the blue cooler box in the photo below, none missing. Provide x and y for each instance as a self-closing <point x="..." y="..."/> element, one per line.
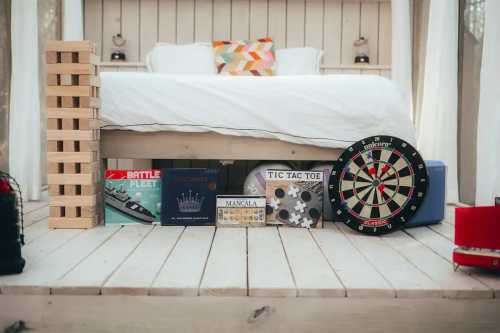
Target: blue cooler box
<point x="432" y="209"/>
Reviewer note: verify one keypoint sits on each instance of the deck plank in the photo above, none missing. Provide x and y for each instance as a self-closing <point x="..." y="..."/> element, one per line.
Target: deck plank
<point x="40" y="248"/>
<point x="183" y="270"/>
<point x="357" y="274"/>
<point x="268" y="272"/>
<point x="226" y="269"/>
<point x="312" y="274"/>
<point x="90" y="275"/>
<point x="43" y="273"/>
<point x="36" y="230"/>
<point x="30" y="206"/>
<point x="37" y="215"/>
<point x="404" y="276"/>
<point x="444" y="247"/>
<point x="454" y="284"/>
<point x="136" y="274"/>
<point x="444" y="229"/>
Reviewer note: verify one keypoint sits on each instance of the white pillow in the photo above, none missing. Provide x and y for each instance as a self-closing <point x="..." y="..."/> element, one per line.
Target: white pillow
<point x="189" y="59"/>
<point x="298" y="61"/>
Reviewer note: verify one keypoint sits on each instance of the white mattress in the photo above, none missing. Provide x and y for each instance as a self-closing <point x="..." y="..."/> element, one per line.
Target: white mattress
<point x="328" y="110"/>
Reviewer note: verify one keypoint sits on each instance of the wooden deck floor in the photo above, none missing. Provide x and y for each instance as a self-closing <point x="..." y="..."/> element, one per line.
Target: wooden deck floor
<point x="288" y="262"/>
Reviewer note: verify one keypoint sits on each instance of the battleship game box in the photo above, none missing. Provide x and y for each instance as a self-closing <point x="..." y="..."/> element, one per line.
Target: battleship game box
<point x="188" y="196"/>
<point x="241" y="210"/>
<point x="132" y="196"/>
<point x="294" y="198"/>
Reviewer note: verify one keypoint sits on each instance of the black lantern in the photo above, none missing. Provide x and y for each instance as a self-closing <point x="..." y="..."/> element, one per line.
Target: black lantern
<point x="361" y="50"/>
<point x="11" y="238"/>
<point x="118" y="53"/>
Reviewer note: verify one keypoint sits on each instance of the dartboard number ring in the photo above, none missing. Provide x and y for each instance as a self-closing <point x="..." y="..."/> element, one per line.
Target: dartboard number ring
<point x="377" y="184"/>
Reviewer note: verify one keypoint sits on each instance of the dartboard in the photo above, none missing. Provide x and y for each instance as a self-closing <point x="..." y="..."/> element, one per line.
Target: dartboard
<point x="377" y="184"/>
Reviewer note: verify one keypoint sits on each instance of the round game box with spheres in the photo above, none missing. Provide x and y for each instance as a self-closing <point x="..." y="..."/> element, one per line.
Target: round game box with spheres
<point x="255" y="183"/>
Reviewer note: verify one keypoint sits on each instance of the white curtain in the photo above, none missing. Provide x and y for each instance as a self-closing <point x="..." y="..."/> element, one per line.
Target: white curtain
<point x="401" y="48"/>
<point x="72" y="20"/>
<point x="24" y="135"/>
<point x="437" y="125"/>
<point x="488" y="127"/>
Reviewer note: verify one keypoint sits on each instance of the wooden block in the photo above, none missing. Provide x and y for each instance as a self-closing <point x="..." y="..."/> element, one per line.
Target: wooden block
<point x="72" y="223"/>
<point x="51" y="57"/>
<point x="65" y="80"/>
<point x="65" y="46"/>
<point x="86" y="146"/>
<point x="71" y="179"/>
<point x="88" y="211"/>
<point x="68" y="146"/>
<point x="71" y="113"/>
<point x="86" y="124"/>
<point x="83" y="157"/>
<point x="70" y="212"/>
<point x="89" y="135"/>
<point x="70" y="168"/>
<point x="67" y="57"/>
<point x="53" y="190"/>
<point x="52" y="80"/>
<point x="90" y="102"/>
<point x="67" y="124"/>
<point x="89" y="80"/>
<point x="53" y="124"/>
<point x="70" y="101"/>
<point x="68" y="90"/>
<point x="90" y="167"/>
<point x="89" y="189"/>
<point x="73" y="200"/>
<point x="71" y="69"/>
<point x="53" y="168"/>
<point x="55" y="211"/>
<point x="70" y="189"/>
<point x="51" y="101"/>
<point x="51" y="146"/>
<point x="87" y="57"/>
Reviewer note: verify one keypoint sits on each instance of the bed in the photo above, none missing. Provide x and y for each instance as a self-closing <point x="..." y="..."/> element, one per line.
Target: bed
<point x="324" y="113"/>
<point x="154" y="116"/>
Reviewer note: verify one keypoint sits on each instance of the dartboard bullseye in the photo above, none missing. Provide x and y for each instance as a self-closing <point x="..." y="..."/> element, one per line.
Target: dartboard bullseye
<point x="377" y="184"/>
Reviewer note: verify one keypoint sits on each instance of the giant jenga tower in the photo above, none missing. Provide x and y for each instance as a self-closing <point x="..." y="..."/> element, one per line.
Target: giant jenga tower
<point x="73" y="134"/>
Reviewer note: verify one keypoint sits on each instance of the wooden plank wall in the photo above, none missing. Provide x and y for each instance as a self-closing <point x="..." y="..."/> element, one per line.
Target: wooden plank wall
<point x="331" y="25"/>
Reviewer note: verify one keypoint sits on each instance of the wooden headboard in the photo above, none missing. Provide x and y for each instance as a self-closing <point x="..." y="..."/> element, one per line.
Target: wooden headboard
<point x="332" y="25"/>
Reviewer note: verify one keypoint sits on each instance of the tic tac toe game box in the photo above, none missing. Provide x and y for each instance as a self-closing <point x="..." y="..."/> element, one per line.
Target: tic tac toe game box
<point x="188" y="196"/>
<point x="132" y="196"/>
<point x="294" y="198"/>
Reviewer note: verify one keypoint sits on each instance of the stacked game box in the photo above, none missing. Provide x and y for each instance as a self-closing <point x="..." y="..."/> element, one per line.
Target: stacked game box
<point x="132" y="196"/>
<point x="294" y="198"/>
<point x="188" y="196"/>
<point x="241" y="210"/>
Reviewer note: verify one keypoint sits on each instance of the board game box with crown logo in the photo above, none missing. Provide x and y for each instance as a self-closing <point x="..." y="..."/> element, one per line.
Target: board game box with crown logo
<point x="188" y="196"/>
<point x="294" y="198"/>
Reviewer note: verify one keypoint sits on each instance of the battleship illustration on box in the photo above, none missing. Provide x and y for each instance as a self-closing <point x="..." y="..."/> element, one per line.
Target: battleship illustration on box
<point x="188" y="196"/>
<point x="132" y="196"/>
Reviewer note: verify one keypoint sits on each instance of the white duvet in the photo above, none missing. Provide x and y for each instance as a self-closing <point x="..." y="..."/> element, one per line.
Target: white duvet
<point x="328" y="110"/>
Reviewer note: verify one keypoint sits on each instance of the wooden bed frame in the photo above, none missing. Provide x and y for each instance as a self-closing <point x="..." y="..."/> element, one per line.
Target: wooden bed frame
<point x="77" y="148"/>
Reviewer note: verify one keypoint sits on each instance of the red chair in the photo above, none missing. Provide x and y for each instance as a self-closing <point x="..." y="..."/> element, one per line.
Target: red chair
<point x="477" y="235"/>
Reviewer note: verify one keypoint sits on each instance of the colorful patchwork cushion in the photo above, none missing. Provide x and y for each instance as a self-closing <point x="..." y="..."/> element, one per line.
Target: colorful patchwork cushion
<point x="242" y="57"/>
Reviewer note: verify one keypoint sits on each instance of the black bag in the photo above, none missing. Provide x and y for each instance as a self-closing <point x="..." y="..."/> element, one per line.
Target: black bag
<point x="11" y="238"/>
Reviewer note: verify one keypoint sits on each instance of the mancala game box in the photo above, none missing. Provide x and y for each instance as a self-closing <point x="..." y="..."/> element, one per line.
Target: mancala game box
<point x="241" y="210"/>
<point x="188" y="196"/>
<point x="132" y="196"/>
